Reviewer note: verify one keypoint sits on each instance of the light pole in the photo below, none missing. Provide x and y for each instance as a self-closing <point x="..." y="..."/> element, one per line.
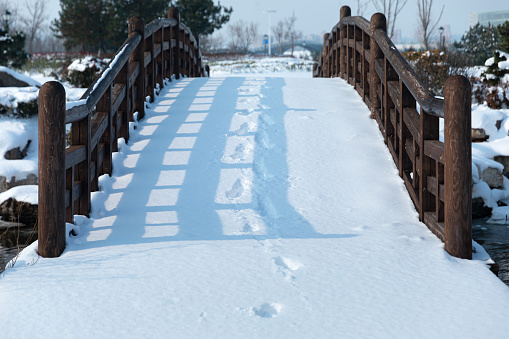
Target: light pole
<point x="265" y="42"/>
<point x="441" y="30"/>
<point x="7" y="16"/>
<point x="269" y="11"/>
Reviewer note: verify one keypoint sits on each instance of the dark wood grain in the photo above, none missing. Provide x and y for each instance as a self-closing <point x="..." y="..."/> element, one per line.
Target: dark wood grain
<point x="51" y="209"/>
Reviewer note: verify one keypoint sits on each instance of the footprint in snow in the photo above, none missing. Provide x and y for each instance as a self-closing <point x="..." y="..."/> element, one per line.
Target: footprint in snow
<point x="243" y="129"/>
<point x="288" y="264"/>
<point x="267" y="310"/>
<point x="236" y="191"/>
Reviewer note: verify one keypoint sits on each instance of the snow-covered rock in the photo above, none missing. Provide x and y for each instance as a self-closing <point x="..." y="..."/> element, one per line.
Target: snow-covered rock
<point x="10" y="78"/>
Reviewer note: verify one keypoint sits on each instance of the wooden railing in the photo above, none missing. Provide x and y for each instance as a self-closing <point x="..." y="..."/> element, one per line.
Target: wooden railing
<point x="437" y="175"/>
<point x="151" y="53"/>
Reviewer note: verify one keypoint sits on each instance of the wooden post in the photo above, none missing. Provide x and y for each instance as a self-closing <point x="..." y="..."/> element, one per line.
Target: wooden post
<point x="159" y="39"/>
<point x="325" y="58"/>
<point x="197" y="57"/>
<point x="151" y="68"/>
<point x="173" y="13"/>
<point x="333" y="45"/>
<point x="344" y="12"/>
<point x="378" y="21"/>
<point x="187" y="43"/>
<point x="51" y="209"/>
<point x="458" y="167"/>
<point x="137" y="26"/>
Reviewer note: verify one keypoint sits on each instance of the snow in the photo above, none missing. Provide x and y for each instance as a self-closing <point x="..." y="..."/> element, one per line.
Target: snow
<point x="26" y="193"/>
<point x="16" y="133"/>
<point x="21" y="77"/>
<point x="501" y="64"/>
<point x="11" y="96"/>
<point x="252" y="206"/>
<point x="109" y="68"/>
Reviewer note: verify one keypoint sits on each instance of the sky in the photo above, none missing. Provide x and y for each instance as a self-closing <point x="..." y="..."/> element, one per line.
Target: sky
<point x="318" y="17"/>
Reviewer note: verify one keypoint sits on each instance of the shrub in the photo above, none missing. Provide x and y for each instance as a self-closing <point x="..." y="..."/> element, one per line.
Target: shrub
<point x="432" y="67"/>
<point x="80" y="72"/>
<point x="21" y="109"/>
<point x="495" y="97"/>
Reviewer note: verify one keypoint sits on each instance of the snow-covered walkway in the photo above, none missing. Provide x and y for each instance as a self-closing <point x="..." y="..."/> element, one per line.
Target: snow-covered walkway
<point x="253" y="207"/>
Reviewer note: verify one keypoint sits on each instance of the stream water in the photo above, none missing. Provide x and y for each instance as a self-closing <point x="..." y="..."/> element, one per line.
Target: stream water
<point x="13" y="238"/>
<point x="495" y="240"/>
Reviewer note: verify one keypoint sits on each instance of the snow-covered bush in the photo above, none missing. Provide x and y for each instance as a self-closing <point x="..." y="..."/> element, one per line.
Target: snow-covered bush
<point x="492" y="88"/>
<point x="81" y="72"/>
<point x="498" y="67"/>
<point x="19" y="102"/>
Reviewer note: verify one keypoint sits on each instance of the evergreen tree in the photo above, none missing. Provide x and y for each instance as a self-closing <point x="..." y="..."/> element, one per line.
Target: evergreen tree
<point x="12" y="52"/>
<point x="123" y="10"/>
<point x="202" y="16"/>
<point x="503" y="31"/>
<point x="84" y="24"/>
<point x="494" y="73"/>
<point x="479" y="43"/>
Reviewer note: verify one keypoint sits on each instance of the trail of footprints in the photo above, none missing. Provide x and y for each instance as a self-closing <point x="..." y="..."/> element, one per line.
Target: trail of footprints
<point x="251" y="130"/>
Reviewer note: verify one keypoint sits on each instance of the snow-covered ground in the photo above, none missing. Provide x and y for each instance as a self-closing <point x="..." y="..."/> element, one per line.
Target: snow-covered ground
<point x="273" y="65"/>
<point x="246" y="207"/>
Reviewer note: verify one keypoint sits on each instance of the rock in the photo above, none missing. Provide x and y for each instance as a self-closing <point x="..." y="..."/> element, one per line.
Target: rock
<point x="479" y="135"/>
<point x="17" y="211"/>
<point x="504" y="160"/>
<point x="31" y="179"/>
<point x="479" y="210"/>
<point x="492" y="176"/>
<point x="9" y="78"/>
<point x="16" y="153"/>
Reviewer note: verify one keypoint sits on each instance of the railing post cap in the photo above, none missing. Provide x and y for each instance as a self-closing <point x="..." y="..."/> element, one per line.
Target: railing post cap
<point x="136" y="25"/>
<point x="457" y="81"/>
<point x="173" y="13"/>
<point x="52" y="88"/>
<point x="345" y="11"/>
<point x="378" y="20"/>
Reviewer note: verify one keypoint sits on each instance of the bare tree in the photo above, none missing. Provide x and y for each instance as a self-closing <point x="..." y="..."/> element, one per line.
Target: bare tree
<point x="281" y="34"/>
<point x="248" y="35"/>
<point x="427" y="25"/>
<point x="33" y="21"/>
<point x="242" y="35"/>
<point x="391" y="9"/>
<point x="234" y="30"/>
<point x="212" y="42"/>
<point x="292" y="34"/>
<point x="361" y="7"/>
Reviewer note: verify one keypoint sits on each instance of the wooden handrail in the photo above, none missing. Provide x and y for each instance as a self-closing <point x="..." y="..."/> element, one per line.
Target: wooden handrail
<point x="162" y="49"/>
<point x="438" y="176"/>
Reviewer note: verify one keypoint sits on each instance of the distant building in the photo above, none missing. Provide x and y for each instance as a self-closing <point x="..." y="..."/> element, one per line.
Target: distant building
<point x="494" y="18"/>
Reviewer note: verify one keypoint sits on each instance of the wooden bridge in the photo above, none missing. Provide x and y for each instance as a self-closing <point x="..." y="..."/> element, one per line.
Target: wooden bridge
<point x="257" y="206"/>
<point x="437" y="175"/>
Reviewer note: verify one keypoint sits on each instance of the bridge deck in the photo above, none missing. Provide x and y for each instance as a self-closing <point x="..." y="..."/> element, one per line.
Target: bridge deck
<point x="240" y="199"/>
